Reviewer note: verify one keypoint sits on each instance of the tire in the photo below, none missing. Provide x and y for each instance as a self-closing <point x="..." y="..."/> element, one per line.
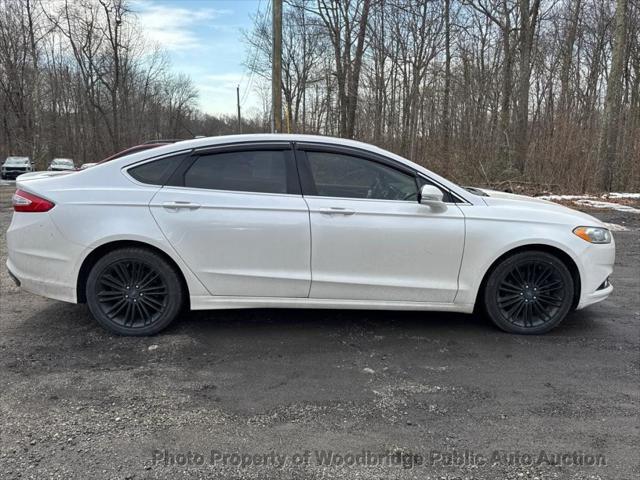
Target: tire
<point x="529" y="293"/>
<point x="119" y="303"/>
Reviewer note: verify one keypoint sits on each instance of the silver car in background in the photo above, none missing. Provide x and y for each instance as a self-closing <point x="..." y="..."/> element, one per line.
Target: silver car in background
<point x="61" y="164"/>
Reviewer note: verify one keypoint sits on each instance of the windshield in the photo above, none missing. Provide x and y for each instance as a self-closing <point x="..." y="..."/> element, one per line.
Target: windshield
<point x="16" y="161"/>
<point x="62" y="161"/>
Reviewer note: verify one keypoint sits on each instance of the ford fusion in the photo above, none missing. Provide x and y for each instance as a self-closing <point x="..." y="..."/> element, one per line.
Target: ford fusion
<point x="297" y="221"/>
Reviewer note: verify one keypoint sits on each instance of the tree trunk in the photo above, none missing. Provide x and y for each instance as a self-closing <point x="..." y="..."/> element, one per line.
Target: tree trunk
<point x="528" y="20"/>
<point x="609" y="135"/>
<point x="446" y="121"/>
<point x="354" y="80"/>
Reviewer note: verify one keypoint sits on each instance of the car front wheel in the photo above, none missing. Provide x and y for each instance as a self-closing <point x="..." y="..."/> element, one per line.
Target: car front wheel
<point x="133" y="291"/>
<point x="529" y="293"/>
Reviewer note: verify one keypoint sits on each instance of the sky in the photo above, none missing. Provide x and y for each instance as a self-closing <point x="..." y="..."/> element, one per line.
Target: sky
<point x="204" y="39"/>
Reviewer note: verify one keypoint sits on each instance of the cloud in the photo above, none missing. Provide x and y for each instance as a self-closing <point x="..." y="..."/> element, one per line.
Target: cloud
<point x="172" y="26"/>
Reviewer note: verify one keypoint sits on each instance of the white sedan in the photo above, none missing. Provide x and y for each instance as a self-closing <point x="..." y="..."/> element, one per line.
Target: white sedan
<point x="297" y="221"/>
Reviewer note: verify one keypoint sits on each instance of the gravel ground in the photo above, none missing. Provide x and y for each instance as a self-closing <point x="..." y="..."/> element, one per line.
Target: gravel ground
<point x="438" y="393"/>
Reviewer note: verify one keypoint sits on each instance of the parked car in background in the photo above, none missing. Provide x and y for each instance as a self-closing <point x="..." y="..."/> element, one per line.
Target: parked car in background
<point x="139" y="148"/>
<point x="84" y="166"/>
<point x="61" y="165"/>
<point x="14" y="166"/>
<point x="292" y="221"/>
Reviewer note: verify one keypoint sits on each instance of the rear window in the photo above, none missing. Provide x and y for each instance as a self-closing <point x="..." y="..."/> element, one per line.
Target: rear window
<point x="156" y="172"/>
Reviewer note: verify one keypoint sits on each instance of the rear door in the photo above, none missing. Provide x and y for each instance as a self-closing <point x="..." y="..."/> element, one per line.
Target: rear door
<point x="236" y="216"/>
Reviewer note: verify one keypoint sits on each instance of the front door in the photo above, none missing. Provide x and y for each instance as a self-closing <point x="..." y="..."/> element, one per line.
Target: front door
<point x="237" y="219"/>
<point x="371" y="238"/>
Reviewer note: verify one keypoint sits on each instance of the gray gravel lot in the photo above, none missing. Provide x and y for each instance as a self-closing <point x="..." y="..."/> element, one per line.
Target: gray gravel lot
<point x="77" y="402"/>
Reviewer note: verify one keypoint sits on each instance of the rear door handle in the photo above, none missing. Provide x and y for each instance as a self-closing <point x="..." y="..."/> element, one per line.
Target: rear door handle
<point x="337" y="211"/>
<point x="180" y="205"/>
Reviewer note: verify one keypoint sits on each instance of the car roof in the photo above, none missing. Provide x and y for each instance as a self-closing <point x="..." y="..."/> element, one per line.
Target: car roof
<point x="196" y="143"/>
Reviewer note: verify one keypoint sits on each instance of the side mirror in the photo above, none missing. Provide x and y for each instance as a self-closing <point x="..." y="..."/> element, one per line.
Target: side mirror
<point x="432" y="196"/>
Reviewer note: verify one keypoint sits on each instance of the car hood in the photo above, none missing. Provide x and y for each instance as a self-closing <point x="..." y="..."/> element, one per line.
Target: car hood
<point x="497" y="198"/>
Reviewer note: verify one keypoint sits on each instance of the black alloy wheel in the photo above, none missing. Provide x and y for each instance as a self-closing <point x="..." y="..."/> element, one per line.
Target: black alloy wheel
<point x="134" y="292"/>
<point x="530" y="292"/>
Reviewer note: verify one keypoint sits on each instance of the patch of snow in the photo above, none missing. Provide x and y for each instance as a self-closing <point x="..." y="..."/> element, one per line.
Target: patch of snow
<point x="608" y="205"/>
<point x="614" y="227"/>
<point x="564" y="197"/>
<point x="621" y="195"/>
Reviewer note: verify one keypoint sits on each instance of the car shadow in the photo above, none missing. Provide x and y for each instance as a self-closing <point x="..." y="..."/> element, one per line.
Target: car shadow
<point x="77" y="320"/>
<point x="252" y="360"/>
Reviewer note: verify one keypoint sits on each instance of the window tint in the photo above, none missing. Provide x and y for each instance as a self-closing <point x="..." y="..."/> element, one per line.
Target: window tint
<point x="156" y="172"/>
<point x="339" y="175"/>
<point x="263" y="171"/>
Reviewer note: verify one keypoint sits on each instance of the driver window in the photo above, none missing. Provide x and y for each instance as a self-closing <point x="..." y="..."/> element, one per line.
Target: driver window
<point x="339" y="175"/>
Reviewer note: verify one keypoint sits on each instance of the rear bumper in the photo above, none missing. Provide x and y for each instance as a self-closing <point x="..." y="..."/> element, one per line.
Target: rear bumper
<point x="49" y="288"/>
<point x="40" y="258"/>
<point x="15" y="279"/>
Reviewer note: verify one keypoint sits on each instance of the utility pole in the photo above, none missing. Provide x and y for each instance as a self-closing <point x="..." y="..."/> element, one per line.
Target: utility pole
<point x="304" y="76"/>
<point x="238" y="102"/>
<point x="276" y="68"/>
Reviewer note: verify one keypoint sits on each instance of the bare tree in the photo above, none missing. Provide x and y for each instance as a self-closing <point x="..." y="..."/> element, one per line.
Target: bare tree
<point x="613" y="102"/>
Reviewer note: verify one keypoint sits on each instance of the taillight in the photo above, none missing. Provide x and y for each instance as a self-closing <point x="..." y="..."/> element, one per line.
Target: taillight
<point x="28" y="202"/>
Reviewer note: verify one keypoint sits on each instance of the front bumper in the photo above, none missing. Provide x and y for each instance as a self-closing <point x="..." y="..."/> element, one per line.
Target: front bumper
<point x="13" y="174"/>
<point x="595" y="269"/>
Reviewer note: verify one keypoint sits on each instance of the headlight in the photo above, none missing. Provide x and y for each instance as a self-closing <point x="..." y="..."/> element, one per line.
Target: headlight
<point x="593" y="234"/>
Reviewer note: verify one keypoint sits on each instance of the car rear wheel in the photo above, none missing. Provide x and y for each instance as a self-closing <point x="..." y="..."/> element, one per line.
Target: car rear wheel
<point x="133" y="291"/>
<point x="529" y="293"/>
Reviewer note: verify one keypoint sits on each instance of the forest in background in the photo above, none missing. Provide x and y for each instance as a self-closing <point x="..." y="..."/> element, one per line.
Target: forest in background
<point x="539" y="95"/>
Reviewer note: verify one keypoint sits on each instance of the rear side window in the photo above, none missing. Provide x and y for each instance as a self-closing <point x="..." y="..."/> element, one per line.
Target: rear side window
<point x="156" y="172"/>
<point x="261" y="171"/>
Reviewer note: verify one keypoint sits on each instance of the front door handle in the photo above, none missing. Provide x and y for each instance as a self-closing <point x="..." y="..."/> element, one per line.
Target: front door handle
<point x="337" y="211"/>
<point x="173" y="206"/>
